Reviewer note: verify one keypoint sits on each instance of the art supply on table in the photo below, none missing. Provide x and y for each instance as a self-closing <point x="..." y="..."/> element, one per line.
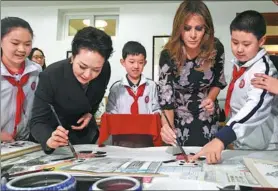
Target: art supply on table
<point x="178" y="143"/>
<point x="65" y="158"/>
<point x="188" y="164"/>
<point x="169" y="161"/>
<point x="60" y="124"/>
<point x="86" y="152"/>
<point x="179" y="156"/>
<point x="117" y="183"/>
<point x="42" y="181"/>
<point x="101" y="152"/>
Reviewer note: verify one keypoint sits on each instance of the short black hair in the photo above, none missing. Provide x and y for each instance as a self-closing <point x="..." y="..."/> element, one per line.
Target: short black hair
<point x="249" y="21"/>
<point x="8" y="23"/>
<point x="133" y="48"/>
<point x="32" y="53"/>
<point x="92" y="39"/>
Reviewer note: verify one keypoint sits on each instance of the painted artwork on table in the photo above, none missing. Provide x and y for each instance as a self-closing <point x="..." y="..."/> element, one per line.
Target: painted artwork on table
<point x="17" y="148"/>
<point x="158" y="44"/>
<point x="101" y="109"/>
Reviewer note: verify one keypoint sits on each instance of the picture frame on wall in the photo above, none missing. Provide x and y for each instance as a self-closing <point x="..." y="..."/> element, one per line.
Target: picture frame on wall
<point x="69" y="53"/>
<point x="158" y="44"/>
<point x="101" y="109"/>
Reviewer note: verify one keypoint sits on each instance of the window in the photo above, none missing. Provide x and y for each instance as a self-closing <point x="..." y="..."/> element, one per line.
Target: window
<point x="72" y="21"/>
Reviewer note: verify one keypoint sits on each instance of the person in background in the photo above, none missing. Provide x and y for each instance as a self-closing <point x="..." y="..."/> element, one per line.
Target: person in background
<point x="19" y="78"/>
<point x="253" y="122"/>
<point x="134" y="93"/>
<point x="266" y="82"/>
<point x="191" y="77"/>
<point x="74" y="87"/>
<point x="37" y="55"/>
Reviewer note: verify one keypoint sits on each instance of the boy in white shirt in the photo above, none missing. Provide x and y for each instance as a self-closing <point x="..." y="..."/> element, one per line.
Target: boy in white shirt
<point x="253" y="122"/>
<point x="134" y="93"/>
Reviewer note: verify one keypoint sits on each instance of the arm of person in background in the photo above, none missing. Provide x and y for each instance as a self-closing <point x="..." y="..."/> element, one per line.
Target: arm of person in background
<point x="219" y="81"/>
<point x="49" y="137"/>
<point x="166" y="97"/>
<point x="266" y="82"/>
<point x="253" y="113"/>
<point x="111" y="106"/>
<point x="155" y="104"/>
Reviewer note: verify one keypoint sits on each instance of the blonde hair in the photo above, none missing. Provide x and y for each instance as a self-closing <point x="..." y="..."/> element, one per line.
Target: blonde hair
<point x="175" y="44"/>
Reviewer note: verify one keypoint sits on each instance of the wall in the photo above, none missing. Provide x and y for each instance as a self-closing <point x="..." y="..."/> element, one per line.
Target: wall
<point x="138" y="21"/>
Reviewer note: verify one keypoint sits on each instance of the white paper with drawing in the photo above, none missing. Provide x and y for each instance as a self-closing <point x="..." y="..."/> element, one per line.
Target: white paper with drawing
<point x="115" y="165"/>
<point x="229" y="172"/>
<point x="265" y="171"/>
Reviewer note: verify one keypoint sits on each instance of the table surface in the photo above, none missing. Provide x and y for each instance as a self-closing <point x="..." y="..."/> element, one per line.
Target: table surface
<point x="159" y="154"/>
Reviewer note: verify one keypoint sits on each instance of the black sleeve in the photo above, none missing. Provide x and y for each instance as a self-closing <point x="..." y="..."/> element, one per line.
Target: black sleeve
<point x="40" y="129"/>
<point x="104" y="79"/>
<point x="218" y="68"/>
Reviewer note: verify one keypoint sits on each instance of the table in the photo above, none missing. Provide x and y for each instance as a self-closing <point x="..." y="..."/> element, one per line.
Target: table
<point x="162" y="154"/>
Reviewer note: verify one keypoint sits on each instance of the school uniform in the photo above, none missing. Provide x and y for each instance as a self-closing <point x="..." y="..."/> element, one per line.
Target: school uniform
<point x="15" y="114"/>
<point x="253" y="122"/>
<point x="59" y="87"/>
<point x="122" y="97"/>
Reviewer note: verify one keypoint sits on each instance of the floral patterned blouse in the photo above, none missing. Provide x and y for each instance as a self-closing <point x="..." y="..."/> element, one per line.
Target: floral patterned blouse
<point x="183" y="93"/>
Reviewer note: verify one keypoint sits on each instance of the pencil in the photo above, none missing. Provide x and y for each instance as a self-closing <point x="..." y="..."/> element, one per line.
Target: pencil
<point x="60" y="124"/>
<point x="180" y="147"/>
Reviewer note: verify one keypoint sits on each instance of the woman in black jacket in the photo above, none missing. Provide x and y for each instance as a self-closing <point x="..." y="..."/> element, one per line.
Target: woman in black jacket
<point x="75" y="88"/>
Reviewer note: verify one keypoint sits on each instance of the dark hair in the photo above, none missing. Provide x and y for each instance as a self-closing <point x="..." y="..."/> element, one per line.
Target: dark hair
<point x="8" y="23"/>
<point x="133" y="48"/>
<point x="249" y="21"/>
<point x="92" y="39"/>
<point x="32" y="53"/>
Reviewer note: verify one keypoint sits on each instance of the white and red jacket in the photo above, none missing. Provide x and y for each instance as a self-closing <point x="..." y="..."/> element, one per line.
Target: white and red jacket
<point x="253" y="122"/>
<point x="8" y="99"/>
<point x="120" y="101"/>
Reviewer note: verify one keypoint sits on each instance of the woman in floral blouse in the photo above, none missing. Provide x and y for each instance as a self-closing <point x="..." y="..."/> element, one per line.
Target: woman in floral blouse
<point x="191" y="76"/>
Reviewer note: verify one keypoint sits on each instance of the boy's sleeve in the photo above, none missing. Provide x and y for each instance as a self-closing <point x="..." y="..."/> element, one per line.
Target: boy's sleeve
<point x="253" y="113"/>
<point x="155" y="104"/>
<point x="111" y="106"/>
<point x="166" y="96"/>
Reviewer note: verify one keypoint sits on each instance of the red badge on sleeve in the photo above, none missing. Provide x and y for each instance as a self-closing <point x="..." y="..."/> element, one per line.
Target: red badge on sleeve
<point x="241" y="83"/>
<point x="33" y="85"/>
<point x="147" y="99"/>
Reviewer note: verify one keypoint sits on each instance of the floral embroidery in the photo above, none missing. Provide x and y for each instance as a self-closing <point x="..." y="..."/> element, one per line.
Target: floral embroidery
<point x="184" y="92"/>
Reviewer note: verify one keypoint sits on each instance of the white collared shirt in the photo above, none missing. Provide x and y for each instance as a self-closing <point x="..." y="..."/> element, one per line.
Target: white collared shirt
<point x="8" y="99"/>
<point x="119" y="100"/>
<point x="254" y="112"/>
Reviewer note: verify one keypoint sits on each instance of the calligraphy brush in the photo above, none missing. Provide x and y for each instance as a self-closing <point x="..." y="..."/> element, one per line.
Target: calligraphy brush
<point x="180" y="147"/>
<point x="60" y="124"/>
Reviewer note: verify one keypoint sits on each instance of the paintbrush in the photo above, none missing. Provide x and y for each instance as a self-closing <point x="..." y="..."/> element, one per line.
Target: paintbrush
<point x="180" y="147"/>
<point x="60" y="124"/>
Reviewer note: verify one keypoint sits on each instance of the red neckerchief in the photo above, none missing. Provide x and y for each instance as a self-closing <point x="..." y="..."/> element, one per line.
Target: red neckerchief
<point x="134" y="107"/>
<point x="236" y="75"/>
<point x="20" y="96"/>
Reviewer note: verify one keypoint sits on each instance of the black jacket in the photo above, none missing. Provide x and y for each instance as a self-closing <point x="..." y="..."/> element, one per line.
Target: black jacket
<point x="59" y="87"/>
